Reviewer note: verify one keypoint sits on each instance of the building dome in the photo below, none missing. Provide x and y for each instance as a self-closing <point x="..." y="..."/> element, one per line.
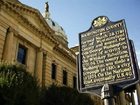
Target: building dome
<point x="59" y="31"/>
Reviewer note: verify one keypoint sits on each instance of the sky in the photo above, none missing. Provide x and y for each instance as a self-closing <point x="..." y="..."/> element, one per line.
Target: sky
<point x="75" y="16"/>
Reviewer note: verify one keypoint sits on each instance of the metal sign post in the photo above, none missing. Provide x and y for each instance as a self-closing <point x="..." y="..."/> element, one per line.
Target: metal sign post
<point x="107" y="95"/>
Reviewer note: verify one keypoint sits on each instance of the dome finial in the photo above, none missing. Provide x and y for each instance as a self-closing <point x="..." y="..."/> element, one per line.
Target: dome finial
<point x="46" y="7"/>
<point x="47" y="14"/>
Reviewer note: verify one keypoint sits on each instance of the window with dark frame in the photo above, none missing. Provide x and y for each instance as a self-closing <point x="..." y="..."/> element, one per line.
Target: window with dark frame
<point x="74" y="82"/>
<point x="44" y="69"/>
<point x="64" y="77"/>
<point x="53" y="75"/>
<point x="22" y="52"/>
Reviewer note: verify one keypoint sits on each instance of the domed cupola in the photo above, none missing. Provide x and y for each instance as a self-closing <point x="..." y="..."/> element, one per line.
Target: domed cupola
<point x="59" y="31"/>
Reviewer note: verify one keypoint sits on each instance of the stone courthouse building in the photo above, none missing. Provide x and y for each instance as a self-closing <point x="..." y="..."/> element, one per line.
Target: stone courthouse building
<point x="36" y="42"/>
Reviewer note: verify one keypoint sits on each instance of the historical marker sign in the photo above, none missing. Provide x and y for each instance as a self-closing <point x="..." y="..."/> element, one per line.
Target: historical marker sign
<point x="105" y="55"/>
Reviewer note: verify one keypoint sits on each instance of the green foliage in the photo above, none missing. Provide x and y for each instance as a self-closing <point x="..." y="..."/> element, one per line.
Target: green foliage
<point x="55" y="95"/>
<point x="17" y="87"/>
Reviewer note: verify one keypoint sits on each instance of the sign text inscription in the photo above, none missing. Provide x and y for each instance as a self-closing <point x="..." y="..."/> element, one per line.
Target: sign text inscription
<point x="105" y="55"/>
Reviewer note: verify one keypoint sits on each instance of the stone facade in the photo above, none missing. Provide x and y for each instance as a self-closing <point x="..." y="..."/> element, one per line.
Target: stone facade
<point x="27" y="39"/>
<point x="23" y="26"/>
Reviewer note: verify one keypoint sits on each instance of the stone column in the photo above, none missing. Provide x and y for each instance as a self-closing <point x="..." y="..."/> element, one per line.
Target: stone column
<point x="122" y="98"/>
<point x="138" y="92"/>
<point x="8" y="46"/>
<point x="38" y="69"/>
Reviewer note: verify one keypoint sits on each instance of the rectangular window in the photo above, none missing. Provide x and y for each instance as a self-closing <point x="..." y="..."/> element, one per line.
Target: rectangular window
<point x="64" y="77"/>
<point x="74" y="82"/>
<point x="44" y="69"/>
<point x="22" y="52"/>
<point x="53" y="71"/>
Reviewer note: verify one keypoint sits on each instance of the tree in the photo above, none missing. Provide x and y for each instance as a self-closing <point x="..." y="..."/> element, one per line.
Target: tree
<point x="55" y="95"/>
<point x="17" y="86"/>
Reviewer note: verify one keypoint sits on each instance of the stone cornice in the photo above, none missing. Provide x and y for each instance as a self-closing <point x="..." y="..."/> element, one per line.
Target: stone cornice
<point x="1" y="3"/>
<point x="22" y="20"/>
<point x="66" y="52"/>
